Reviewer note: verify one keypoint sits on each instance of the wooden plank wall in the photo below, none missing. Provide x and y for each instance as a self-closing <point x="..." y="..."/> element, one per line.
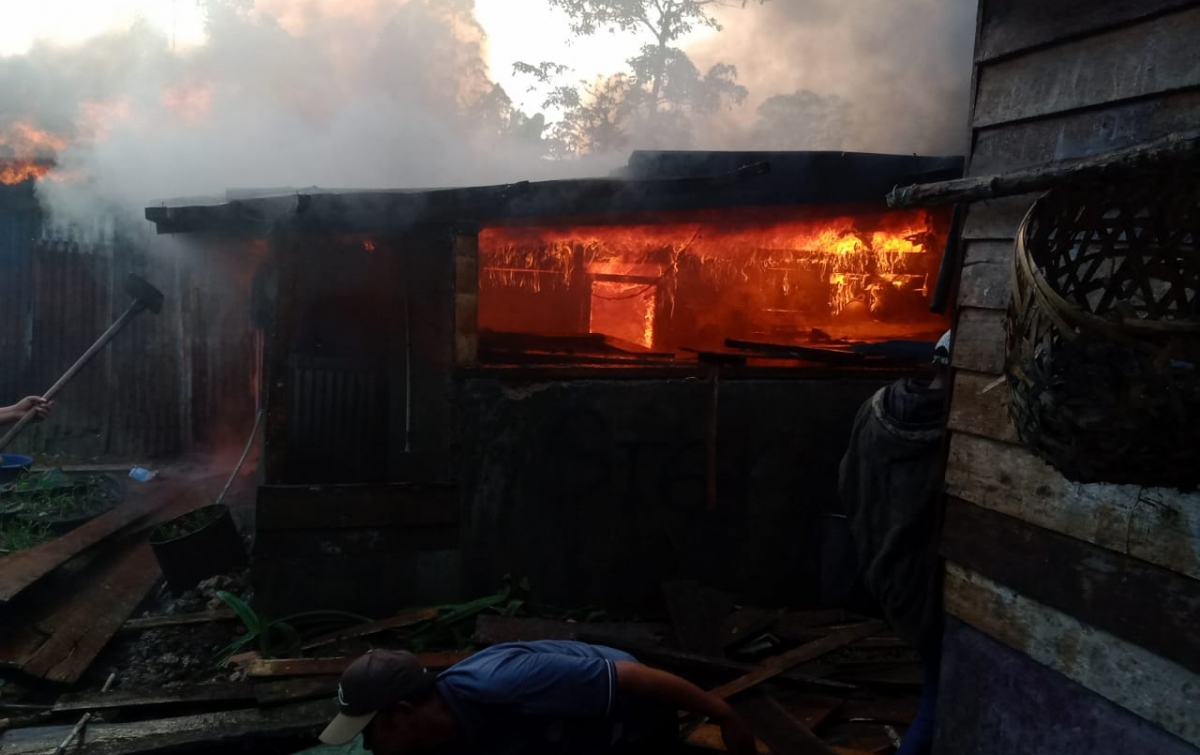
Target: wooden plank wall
<point x="1100" y="583"/>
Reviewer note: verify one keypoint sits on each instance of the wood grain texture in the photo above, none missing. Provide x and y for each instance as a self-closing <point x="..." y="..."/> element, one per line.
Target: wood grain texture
<point x="1158" y="525"/>
<point x="811" y="651"/>
<point x="466" y="298"/>
<point x="1015" y="25"/>
<point x="986" y="279"/>
<point x="1138" y="602"/>
<point x="979" y="413"/>
<point x="995" y="700"/>
<point x="233" y="692"/>
<point x="355" y="506"/>
<point x="213" y="729"/>
<point x="1014" y="146"/>
<point x="1154" y="56"/>
<point x="782" y="732"/>
<point x="20" y="570"/>
<point x="996" y="219"/>
<point x="979" y="340"/>
<point x="1154" y="688"/>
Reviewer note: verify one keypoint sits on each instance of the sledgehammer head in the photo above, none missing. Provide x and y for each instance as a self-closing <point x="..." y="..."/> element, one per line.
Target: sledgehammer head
<point x="144" y="293"/>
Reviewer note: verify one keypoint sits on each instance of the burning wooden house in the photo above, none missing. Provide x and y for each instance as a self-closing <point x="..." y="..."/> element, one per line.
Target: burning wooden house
<point x="597" y="384"/>
<point x="1073" y="577"/>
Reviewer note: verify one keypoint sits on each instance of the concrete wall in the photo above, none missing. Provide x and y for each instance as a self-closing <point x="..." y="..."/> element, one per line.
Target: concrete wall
<point x="596" y="489"/>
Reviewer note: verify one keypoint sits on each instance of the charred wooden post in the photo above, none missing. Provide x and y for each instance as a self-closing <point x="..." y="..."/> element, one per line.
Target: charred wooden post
<point x="466" y="296"/>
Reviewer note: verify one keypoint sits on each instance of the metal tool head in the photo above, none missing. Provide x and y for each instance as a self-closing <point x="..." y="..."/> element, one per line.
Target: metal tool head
<point x="141" y="290"/>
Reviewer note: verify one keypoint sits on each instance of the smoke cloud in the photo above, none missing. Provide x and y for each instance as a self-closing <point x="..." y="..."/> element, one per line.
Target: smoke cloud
<point x="397" y="93"/>
<point x="860" y="75"/>
<point x="285" y="93"/>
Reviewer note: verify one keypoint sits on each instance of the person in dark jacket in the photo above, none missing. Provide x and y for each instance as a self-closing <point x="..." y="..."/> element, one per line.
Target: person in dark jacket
<point x="890" y="484"/>
<point x="523" y="698"/>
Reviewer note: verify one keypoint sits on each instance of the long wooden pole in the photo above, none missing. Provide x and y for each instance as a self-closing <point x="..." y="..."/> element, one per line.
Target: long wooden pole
<point x="1120" y="163"/>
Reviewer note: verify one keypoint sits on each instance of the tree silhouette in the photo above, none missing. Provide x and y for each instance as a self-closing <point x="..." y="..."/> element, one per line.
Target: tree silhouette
<point x="803" y="120"/>
<point x="662" y="89"/>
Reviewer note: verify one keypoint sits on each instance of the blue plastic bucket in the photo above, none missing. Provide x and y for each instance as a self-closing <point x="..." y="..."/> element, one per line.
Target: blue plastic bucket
<point x="11" y="466"/>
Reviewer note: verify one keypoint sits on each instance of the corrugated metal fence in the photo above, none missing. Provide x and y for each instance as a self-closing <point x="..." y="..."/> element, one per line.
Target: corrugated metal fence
<point x="169" y="383"/>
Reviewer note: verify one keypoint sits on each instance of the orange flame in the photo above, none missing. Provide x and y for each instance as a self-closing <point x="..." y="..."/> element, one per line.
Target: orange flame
<point x="694" y="279"/>
<point x="26" y="152"/>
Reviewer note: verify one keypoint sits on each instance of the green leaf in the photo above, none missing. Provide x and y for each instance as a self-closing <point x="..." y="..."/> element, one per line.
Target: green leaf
<point x="251" y="619"/>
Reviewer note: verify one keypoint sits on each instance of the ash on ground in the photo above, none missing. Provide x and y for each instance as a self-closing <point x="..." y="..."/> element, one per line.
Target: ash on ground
<point x="175" y="655"/>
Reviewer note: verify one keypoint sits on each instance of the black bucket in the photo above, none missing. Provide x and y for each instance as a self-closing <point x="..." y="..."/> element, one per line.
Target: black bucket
<point x="198" y="545"/>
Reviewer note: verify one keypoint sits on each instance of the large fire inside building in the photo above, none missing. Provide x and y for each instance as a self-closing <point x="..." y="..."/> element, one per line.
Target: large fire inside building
<point x="667" y="355"/>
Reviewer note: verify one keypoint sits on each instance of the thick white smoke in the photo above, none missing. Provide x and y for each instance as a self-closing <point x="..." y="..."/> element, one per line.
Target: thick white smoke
<point x="287" y="93"/>
<point x="863" y="75"/>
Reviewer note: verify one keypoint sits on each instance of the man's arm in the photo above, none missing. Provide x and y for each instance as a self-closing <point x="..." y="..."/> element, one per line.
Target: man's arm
<point x="36" y="404"/>
<point x="670" y="690"/>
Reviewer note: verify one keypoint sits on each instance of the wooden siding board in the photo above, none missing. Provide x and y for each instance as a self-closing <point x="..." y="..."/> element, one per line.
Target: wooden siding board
<point x="1158" y="525"/>
<point x="978" y="412"/>
<point x="1153" y="687"/>
<point x="1135" y="61"/>
<point x="1017" y="25"/>
<point x="996" y="219"/>
<point x="1014" y="146"/>
<point x="994" y="700"/>
<point x="1138" y="602"/>
<point x="979" y="340"/>
<point x="986" y="275"/>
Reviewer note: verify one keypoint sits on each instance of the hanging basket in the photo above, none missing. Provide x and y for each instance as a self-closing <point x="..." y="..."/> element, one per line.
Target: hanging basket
<point x="1103" y="332"/>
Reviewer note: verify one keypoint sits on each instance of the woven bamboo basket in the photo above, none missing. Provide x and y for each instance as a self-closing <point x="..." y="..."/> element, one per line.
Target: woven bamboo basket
<point x="1103" y="332"/>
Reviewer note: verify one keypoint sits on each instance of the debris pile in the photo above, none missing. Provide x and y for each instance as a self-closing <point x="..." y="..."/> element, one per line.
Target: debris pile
<point x="202" y="670"/>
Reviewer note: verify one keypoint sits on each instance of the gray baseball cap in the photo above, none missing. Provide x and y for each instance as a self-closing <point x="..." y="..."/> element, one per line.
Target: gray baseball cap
<point x="377" y="680"/>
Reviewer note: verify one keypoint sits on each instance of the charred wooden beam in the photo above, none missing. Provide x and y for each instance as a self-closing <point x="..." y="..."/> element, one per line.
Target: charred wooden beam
<point x="1171" y="151"/>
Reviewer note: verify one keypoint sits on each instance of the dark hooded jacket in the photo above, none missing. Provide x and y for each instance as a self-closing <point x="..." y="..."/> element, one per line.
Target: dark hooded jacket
<point x="890" y="482"/>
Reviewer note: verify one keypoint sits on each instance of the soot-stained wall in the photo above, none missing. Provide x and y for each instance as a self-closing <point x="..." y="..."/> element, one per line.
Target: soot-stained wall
<point x="596" y="489"/>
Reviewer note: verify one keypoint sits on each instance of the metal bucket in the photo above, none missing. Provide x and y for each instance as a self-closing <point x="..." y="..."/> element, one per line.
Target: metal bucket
<point x="187" y="558"/>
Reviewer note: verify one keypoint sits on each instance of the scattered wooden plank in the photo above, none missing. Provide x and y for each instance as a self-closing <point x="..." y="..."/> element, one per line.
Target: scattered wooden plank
<point x="191" y="694"/>
<point x="1158" y="525"/>
<point x="745" y="623"/>
<point x="1009" y="27"/>
<point x="986" y="279"/>
<point x="708" y="737"/>
<point x="212" y="729"/>
<point x="773" y="724"/>
<point x="295" y="690"/>
<point x="775" y="666"/>
<point x="695" y="616"/>
<point x="65" y="635"/>
<point x="21" y="569"/>
<point x="279" y="667"/>
<point x="703" y="665"/>
<point x="1146" y="684"/>
<point x="363" y="630"/>
<point x="493" y="630"/>
<point x="355" y="506"/>
<point x="888" y="710"/>
<point x="1136" y="601"/>
<point x="816" y="618"/>
<point x="979" y="340"/>
<point x="980" y="406"/>
<point x="179" y="620"/>
<point x="1103" y="68"/>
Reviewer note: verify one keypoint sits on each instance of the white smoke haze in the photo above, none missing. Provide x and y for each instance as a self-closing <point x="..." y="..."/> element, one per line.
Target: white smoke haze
<point x="859" y="75"/>
<point x="298" y="93"/>
<point x="397" y="93"/>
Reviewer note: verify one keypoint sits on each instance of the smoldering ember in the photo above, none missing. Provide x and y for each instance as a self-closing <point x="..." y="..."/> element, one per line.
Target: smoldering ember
<point x="572" y="377"/>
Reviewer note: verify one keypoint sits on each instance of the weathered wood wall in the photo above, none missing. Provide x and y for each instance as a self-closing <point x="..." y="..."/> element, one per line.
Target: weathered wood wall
<point x="1100" y="583"/>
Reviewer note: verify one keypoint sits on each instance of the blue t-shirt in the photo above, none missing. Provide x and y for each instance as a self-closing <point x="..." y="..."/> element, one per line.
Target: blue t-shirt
<point x="544" y="697"/>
